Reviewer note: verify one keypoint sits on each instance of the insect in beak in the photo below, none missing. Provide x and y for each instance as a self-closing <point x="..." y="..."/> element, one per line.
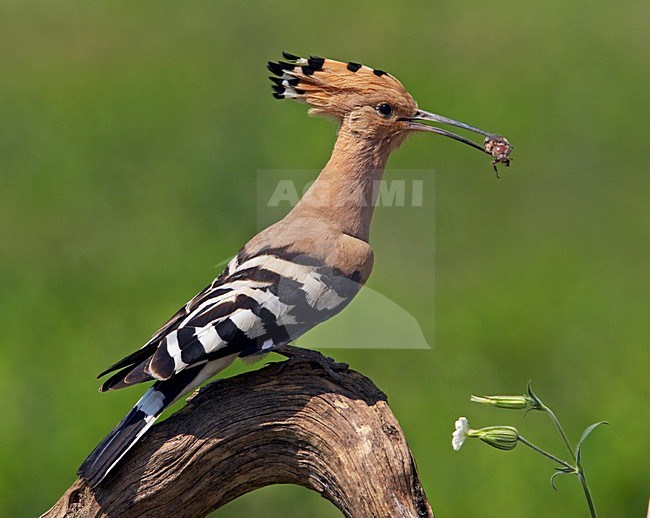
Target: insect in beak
<point x="494" y="145"/>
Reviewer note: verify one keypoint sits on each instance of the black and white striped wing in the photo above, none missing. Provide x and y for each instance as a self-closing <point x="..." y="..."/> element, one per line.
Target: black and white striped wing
<point x="254" y="306"/>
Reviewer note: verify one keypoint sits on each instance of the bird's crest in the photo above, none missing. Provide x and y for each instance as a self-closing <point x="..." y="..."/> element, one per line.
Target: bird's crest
<point x="332" y="87"/>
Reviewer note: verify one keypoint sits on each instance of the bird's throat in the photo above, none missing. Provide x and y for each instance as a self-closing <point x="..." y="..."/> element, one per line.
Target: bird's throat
<point x="345" y="192"/>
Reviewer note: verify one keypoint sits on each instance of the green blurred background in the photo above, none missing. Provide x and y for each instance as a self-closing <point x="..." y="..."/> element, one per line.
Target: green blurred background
<point x="131" y="135"/>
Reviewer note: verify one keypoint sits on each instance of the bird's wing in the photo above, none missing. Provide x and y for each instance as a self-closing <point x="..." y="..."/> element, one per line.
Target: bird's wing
<point x="255" y="305"/>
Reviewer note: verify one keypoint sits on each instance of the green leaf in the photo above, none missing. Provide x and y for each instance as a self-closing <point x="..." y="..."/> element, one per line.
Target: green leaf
<point x="560" y="471"/>
<point x="585" y="434"/>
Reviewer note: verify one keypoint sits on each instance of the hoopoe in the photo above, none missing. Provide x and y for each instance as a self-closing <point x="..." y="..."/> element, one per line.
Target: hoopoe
<point x="295" y="274"/>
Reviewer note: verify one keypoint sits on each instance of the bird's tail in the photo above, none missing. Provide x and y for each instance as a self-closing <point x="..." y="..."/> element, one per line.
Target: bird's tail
<point x="117" y="443"/>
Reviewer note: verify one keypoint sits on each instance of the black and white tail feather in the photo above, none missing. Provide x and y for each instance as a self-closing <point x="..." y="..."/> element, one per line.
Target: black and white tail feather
<point x="257" y="304"/>
<point x="134" y="425"/>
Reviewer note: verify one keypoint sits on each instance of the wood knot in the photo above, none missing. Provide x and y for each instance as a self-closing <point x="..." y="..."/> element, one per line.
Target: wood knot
<point x="74" y="497"/>
<point x="390" y="431"/>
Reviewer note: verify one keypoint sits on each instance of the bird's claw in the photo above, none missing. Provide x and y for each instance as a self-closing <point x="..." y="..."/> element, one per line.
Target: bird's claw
<point x="307" y="355"/>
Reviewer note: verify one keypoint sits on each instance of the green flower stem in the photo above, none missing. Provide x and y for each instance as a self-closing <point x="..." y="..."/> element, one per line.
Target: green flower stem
<point x="547" y="454"/>
<point x="587" y="491"/>
<point x="560" y="430"/>
<point x="577" y="470"/>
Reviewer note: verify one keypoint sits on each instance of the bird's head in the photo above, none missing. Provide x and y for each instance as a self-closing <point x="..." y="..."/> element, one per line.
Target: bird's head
<point x="369" y="103"/>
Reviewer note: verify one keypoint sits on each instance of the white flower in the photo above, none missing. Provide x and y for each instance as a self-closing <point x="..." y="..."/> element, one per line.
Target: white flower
<point x="459" y="436"/>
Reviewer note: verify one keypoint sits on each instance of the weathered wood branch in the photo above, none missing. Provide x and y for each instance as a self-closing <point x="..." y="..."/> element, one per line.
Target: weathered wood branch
<point x="264" y="427"/>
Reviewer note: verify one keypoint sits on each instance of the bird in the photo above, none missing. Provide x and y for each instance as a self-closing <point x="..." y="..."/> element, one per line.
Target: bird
<point x="298" y="272"/>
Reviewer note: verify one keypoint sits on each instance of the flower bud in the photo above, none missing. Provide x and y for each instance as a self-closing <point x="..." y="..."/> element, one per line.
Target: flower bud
<point x="512" y="402"/>
<point x="501" y="437"/>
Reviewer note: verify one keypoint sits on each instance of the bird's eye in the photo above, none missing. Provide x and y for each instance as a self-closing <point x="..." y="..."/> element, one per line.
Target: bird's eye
<point x="385" y="109"/>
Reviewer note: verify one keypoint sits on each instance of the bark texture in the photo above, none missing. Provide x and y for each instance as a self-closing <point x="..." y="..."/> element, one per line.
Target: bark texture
<point x="288" y="423"/>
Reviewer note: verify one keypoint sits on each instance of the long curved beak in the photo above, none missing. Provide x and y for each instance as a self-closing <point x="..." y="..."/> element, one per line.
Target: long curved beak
<point x="421" y="115"/>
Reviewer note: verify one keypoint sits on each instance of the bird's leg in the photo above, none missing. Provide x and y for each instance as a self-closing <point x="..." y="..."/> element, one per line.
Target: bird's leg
<point x="308" y="355"/>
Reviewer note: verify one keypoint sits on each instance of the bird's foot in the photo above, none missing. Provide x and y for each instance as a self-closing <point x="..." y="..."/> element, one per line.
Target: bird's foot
<point x="307" y="355"/>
